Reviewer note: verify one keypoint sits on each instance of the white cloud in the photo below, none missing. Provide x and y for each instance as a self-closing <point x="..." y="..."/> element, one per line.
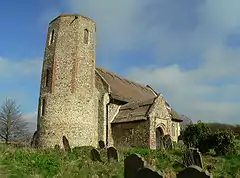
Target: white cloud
<point x="18" y="78"/>
<point x="13" y="76"/>
<point x="117" y="22"/>
<point x="15" y="69"/>
<point x="171" y="28"/>
<point x="189" y="92"/>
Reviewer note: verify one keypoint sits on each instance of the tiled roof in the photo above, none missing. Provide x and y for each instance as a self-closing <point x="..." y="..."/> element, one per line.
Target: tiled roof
<point x="124" y="89"/>
<point x="133" y="111"/>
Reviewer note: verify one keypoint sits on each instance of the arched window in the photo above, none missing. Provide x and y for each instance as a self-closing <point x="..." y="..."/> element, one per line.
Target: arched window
<point x="47" y="78"/>
<point x="51" y="39"/>
<point x="86" y="36"/>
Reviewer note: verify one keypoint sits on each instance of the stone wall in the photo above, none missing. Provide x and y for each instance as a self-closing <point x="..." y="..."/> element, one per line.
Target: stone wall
<point x="113" y="109"/>
<point x="133" y="134"/>
<point x="175" y="131"/>
<point x="103" y="99"/>
<point x="67" y="105"/>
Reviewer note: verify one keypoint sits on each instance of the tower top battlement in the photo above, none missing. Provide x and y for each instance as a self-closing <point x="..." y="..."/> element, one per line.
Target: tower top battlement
<point x="72" y="15"/>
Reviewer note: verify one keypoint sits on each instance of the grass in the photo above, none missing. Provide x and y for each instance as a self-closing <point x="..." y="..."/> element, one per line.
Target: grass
<point x="26" y="162"/>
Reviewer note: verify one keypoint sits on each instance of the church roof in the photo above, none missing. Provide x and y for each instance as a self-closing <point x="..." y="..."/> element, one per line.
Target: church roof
<point x="137" y="111"/>
<point x="175" y="116"/>
<point x="133" y="111"/>
<point x="125" y="90"/>
<point x="139" y="98"/>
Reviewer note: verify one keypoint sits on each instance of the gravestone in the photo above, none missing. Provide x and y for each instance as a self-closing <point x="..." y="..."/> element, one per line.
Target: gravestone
<point x="193" y="171"/>
<point x="147" y="173"/>
<point x="197" y="158"/>
<point x="112" y="154"/>
<point x="192" y="157"/>
<point x="95" y="155"/>
<point x="132" y="164"/>
<point x="167" y="142"/>
<point x="57" y="147"/>
<point x="66" y="144"/>
<point x="101" y="144"/>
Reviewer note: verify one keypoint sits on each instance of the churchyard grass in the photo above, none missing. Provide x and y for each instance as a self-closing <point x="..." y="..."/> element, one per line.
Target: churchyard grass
<point x="27" y="162"/>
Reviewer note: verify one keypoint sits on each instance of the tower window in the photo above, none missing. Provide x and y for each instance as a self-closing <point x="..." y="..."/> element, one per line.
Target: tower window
<point x="47" y="78"/>
<point x="43" y="107"/>
<point x="51" y="39"/>
<point x="86" y="36"/>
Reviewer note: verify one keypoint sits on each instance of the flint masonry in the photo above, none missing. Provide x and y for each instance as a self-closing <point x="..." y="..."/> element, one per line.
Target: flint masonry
<point x="87" y="104"/>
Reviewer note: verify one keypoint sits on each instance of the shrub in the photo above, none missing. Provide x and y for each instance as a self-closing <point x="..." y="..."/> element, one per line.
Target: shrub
<point x="201" y="136"/>
<point x="223" y="142"/>
<point x="195" y="135"/>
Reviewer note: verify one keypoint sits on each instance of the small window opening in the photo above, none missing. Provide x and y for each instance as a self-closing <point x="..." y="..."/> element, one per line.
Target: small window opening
<point x="43" y="107"/>
<point x="47" y="78"/>
<point x="86" y="36"/>
<point x="51" y="37"/>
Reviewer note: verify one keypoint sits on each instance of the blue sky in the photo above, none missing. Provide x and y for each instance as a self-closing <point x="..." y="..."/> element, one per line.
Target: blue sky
<point x="187" y="50"/>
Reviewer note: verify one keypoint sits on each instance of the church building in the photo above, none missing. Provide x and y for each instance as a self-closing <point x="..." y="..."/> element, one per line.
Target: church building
<point x="88" y="104"/>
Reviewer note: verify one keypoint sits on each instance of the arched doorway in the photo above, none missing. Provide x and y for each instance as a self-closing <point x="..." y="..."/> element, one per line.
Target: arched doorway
<point x="159" y="137"/>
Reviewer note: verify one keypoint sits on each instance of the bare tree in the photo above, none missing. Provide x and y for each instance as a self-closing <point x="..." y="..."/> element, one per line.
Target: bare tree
<point x="12" y="125"/>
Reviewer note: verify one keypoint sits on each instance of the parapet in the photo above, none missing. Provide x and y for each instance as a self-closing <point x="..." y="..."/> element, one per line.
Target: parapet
<point x="74" y="15"/>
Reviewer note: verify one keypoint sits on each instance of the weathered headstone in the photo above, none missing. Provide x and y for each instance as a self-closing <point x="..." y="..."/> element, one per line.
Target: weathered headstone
<point x="112" y="154"/>
<point x="95" y="155"/>
<point x="192" y="157"/>
<point x="197" y="158"/>
<point x="167" y="142"/>
<point x="132" y="164"/>
<point x="101" y="144"/>
<point x="57" y="147"/>
<point x="66" y="144"/>
<point x="193" y="171"/>
<point x="147" y="173"/>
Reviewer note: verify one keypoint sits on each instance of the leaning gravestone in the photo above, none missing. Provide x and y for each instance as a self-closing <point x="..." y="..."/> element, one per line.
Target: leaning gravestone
<point x="167" y="142"/>
<point x="112" y="154"/>
<point x="132" y="164"/>
<point x="195" y="172"/>
<point x="193" y="157"/>
<point x="66" y="144"/>
<point x="147" y="173"/>
<point x="95" y="155"/>
<point x="101" y="144"/>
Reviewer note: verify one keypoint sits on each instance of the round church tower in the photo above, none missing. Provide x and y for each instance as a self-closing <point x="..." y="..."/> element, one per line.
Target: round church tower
<point x="66" y="102"/>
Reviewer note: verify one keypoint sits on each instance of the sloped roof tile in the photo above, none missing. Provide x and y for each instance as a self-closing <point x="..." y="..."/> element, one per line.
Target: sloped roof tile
<point x="124" y="89"/>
